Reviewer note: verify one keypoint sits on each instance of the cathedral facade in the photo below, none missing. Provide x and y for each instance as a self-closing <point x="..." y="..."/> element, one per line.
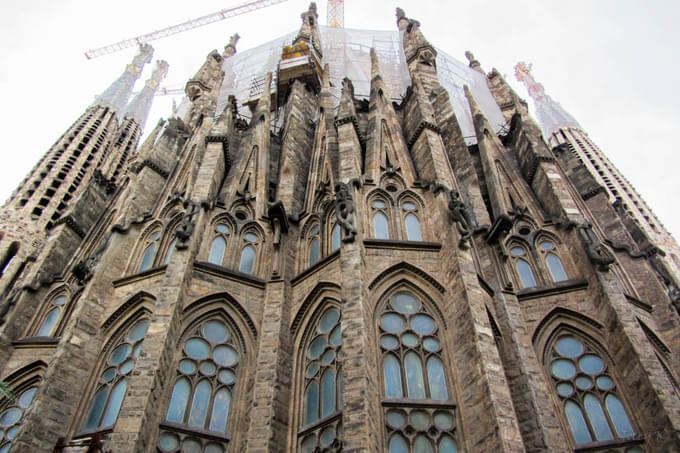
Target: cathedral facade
<point x="334" y="246"/>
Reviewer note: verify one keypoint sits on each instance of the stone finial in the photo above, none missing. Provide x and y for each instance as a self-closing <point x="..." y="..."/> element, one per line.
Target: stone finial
<point x="347" y="87"/>
<point x="400" y="14"/>
<point x="402" y="21"/>
<point x="474" y="64"/>
<point x="470" y="56"/>
<point x="230" y="48"/>
<point x="144" y="55"/>
<point x="312" y="9"/>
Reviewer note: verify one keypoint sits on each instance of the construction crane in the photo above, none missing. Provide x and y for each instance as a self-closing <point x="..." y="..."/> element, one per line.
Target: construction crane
<point x="226" y="13"/>
<point x="335" y="13"/>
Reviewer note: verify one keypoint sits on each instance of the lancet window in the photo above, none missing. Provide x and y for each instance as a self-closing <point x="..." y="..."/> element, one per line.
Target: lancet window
<point x="552" y="261"/>
<point x="218" y="246"/>
<point x="588" y="392"/>
<point x="12" y="415"/>
<point x="248" y="253"/>
<point x="198" y="414"/>
<point x="418" y="408"/>
<point x="335" y="234"/>
<point x="113" y="380"/>
<point x="322" y="376"/>
<point x="51" y="318"/>
<point x="314" y="245"/>
<point x="522" y="266"/>
<point x="380" y="217"/>
<point x="150" y="249"/>
<point x="410" y="212"/>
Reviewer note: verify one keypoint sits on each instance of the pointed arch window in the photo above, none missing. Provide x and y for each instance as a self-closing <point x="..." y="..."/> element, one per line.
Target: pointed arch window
<point x="322" y="375"/>
<point x="381" y="228"/>
<point x="414" y="379"/>
<point x="51" y="318"/>
<point x="12" y="415"/>
<point x="553" y="261"/>
<point x="204" y="389"/>
<point x="218" y="247"/>
<point x="526" y="275"/>
<point x="335" y="234"/>
<point x="411" y="222"/>
<point x="149" y="253"/>
<point x="9" y="257"/>
<point x="314" y="244"/>
<point x="113" y="381"/>
<point x="248" y="252"/>
<point x="171" y="250"/>
<point x="586" y="387"/>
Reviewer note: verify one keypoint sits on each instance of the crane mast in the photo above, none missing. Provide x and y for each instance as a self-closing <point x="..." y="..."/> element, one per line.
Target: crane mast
<point x="335" y="13"/>
<point x="226" y="13"/>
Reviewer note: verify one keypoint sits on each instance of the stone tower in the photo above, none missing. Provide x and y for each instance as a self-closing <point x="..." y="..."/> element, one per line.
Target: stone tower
<point x="301" y="260"/>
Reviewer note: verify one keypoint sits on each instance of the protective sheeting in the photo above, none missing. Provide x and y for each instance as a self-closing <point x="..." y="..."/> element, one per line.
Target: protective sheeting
<point x="347" y="52"/>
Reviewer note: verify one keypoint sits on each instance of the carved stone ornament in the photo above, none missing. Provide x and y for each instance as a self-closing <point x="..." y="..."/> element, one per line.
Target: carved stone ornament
<point x="84" y="270"/>
<point x="460" y="215"/>
<point x="186" y="228"/>
<point x="595" y="250"/>
<point x="344" y="211"/>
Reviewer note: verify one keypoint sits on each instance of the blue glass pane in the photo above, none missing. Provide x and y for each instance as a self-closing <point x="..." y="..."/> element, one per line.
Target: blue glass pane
<point x="336" y="237"/>
<point x="314" y="251"/>
<point x="147" y="258"/>
<point x="591" y="364"/>
<point x="115" y="402"/>
<point x="247" y="260"/>
<point x="327" y="393"/>
<point x="618" y="415"/>
<point x="98" y="404"/>
<point x="49" y="323"/>
<point x="392" y="374"/>
<point x="413" y="228"/>
<point x="422" y="324"/>
<point x="556" y="269"/>
<point x="563" y="369"/>
<point x="61" y="300"/>
<point x="218" y="420"/>
<point x="219" y="245"/>
<point x="169" y="442"/>
<point x="577" y="423"/>
<point x="197" y="348"/>
<point x="447" y="445"/>
<point x="414" y="376"/>
<point x="569" y="347"/>
<point x="138" y="331"/>
<point x="597" y="419"/>
<point x="525" y="274"/>
<point x="26" y="398"/>
<point x="215" y="332"/>
<point x="329" y="320"/>
<point x="178" y="401"/>
<point x="405" y="303"/>
<point x="171" y="248"/>
<point x="199" y="405"/>
<point x="422" y="445"/>
<point x="380" y="229"/>
<point x="312" y="402"/>
<point x="435" y="376"/>
<point x="398" y="444"/>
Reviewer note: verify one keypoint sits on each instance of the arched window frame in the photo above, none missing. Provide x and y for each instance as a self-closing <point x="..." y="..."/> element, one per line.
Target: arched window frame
<point x="579" y="392"/>
<point x="543" y="252"/>
<point x="122" y="335"/>
<point x="250" y="236"/>
<point x="515" y="257"/>
<point x="312" y="232"/>
<point x="409" y="205"/>
<point x="60" y="300"/>
<point x="152" y="236"/>
<point x="176" y="435"/>
<point x="10" y="255"/>
<point x="397" y="411"/>
<point x="333" y="232"/>
<point x="326" y="430"/>
<point x="20" y="383"/>
<point x="381" y="204"/>
<point x="218" y="231"/>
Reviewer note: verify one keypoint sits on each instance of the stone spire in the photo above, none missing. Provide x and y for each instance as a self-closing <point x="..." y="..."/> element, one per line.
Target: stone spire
<point x="551" y="115"/>
<point x="118" y="94"/>
<point x="139" y="108"/>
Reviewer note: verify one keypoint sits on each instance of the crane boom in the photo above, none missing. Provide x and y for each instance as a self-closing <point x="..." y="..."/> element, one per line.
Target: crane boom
<point x="226" y="13"/>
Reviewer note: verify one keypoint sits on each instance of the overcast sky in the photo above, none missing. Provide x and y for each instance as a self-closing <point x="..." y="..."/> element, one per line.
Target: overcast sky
<point x="612" y="64"/>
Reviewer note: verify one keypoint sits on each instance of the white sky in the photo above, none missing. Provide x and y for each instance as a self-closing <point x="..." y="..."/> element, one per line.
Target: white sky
<point x="612" y="64"/>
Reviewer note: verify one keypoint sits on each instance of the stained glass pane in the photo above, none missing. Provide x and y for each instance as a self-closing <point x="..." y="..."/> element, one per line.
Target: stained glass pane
<point x="187" y="366"/>
<point x="327" y="393"/>
<point x="395" y="418"/>
<point x="197" y="348"/>
<point x="226" y="377"/>
<point x="10" y="417"/>
<point x="597" y="418"/>
<point x="98" y="404"/>
<point x="199" y="405"/>
<point x="328" y="320"/>
<point x="380" y="229"/>
<point x="49" y="323"/>
<point x="556" y="268"/>
<point x="312" y="402"/>
<point x="317" y="347"/>
<point x="443" y="421"/>
<point x="420" y="420"/>
<point x="191" y="446"/>
<point x="422" y="324"/>
<point x="314" y="251"/>
<point x="618" y="415"/>
<point x="584" y="382"/>
<point x="247" y="260"/>
<point x="577" y="423"/>
<point x="569" y="347"/>
<point x="336" y="237"/>
<point x="422" y="445"/>
<point x="138" y="331"/>
<point x="565" y="389"/>
<point x="169" y="442"/>
<point x="525" y="274"/>
<point x="398" y="444"/>
<point x="392" y="322"/>
<point x="171" y="249"/>
<point x="120" y="353"/>
<point x="115" y="402"/>
<point x="563" y="369"/>
<point x="26" y="398"/>
<point x="178" y="401"/>
<point x="435" y="376"/>
<point x="222" y="228"/>
<point x="336" y="336"/>
<point x="225" y="356"/>
<point x="413" y="228"/>
<point x="591" y="364"/>
<point x="414" y="376"/>
<point x="61" y="300"/>
<point x="327" y="436"/>
<point x="389" y="342"/>
<point x="147" y="258"/>
<point x="605" y="383"/>
<point x="250" y="237"/>
<point x="392" y="374"/>
<point x="405" y="303"/>
<point x="220" y="411"/>
<point x="213" y="448"/>
<point x="447" y="445"/>
<point x="215" y="332"/>
<point x="217" y="248"/>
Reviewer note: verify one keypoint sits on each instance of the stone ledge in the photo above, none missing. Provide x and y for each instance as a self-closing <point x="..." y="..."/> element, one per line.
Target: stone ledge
<point x="640" y="304"/>
<point x="36" y="342"/>
<point x="402" y="245"/>
<point x="606" y="444"/>
<point x="139" y="276"/>
<point x="312" y="269"/>
<point x="559" y="288"/>
<point x="223" y="272"/>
